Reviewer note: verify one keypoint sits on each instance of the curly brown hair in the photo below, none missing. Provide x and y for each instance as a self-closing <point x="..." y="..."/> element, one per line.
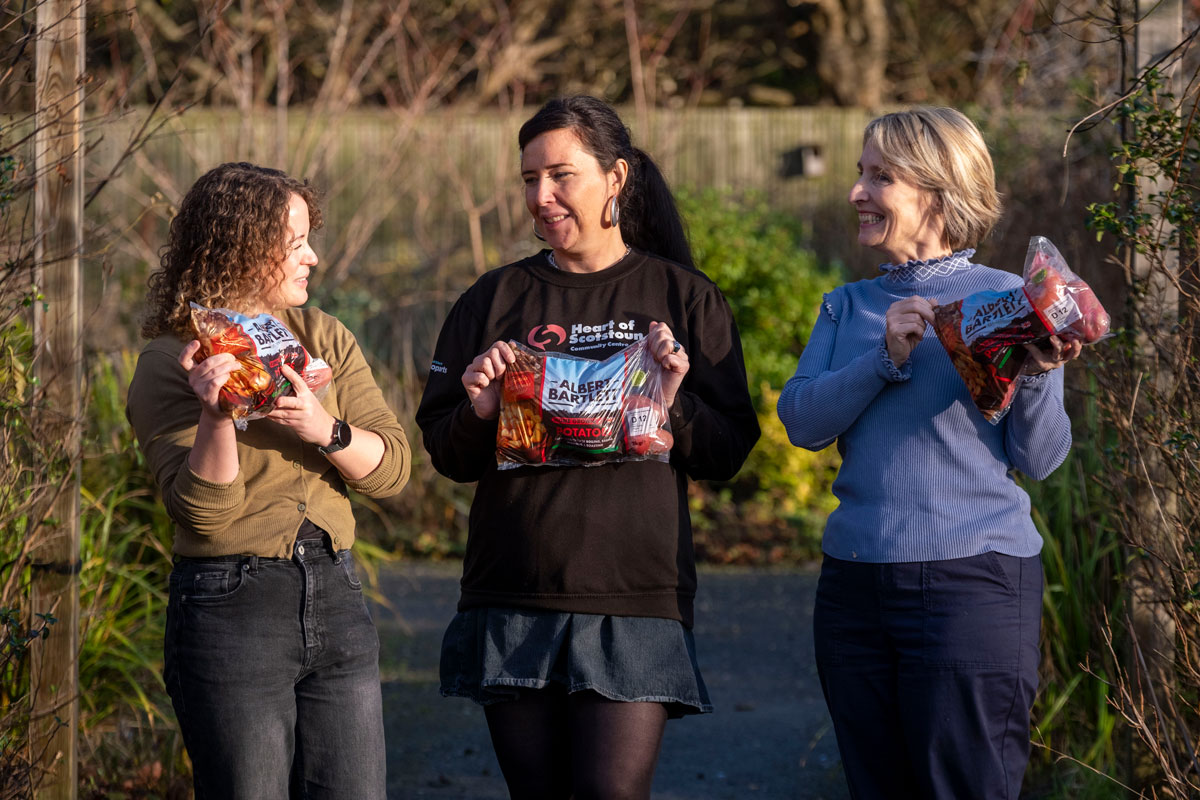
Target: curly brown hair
<point x="229" y="235"/>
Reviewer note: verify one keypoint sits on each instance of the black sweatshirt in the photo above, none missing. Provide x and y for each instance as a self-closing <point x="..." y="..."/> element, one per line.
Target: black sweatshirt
<point x="609" y="539"/>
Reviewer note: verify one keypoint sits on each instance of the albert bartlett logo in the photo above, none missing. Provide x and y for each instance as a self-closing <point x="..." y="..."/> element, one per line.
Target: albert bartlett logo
<point x="543" y="335"/>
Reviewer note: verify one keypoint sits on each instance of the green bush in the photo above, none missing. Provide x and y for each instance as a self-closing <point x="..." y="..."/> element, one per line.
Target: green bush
<point x="774" y="510"/>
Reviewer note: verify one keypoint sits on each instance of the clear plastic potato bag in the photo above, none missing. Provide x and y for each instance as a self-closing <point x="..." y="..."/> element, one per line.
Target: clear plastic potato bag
<point x="261" y="344"/>
<point x="563" y="410"/>
<point x="985" y="333"/>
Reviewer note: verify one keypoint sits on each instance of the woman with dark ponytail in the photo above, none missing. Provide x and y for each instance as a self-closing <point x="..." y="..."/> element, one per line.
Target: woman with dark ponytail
<point x="574" y="623"/>
<point x="647" y="216"/>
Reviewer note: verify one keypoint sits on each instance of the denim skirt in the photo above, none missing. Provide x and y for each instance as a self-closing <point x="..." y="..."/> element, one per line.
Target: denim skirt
<point x="489" y="654"/>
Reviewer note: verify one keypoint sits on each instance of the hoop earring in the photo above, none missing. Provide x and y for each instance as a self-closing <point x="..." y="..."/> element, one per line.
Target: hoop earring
<point x="614" y="212"/>
<point x="537" y="235"/>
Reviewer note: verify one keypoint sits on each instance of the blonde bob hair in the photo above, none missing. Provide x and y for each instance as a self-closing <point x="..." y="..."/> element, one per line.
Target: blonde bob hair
<point x="941" y="151"/>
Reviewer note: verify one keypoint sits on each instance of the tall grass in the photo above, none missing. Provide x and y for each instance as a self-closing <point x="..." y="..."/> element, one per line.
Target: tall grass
<point x="127" y="728"/>
<point x="1082" y="557"/>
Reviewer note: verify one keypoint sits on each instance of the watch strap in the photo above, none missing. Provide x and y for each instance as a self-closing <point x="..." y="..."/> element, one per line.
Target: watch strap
<point x="340" y="438"/>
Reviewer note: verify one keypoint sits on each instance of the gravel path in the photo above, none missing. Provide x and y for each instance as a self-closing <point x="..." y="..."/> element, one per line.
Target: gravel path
<point x="769" y="738"/>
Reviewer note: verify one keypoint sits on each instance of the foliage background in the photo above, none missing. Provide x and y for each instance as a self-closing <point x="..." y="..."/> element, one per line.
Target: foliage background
<point x="279" y="70"/>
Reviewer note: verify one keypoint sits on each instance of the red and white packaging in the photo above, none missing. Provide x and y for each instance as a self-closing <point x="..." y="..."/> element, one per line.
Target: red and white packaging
<point x="985" y="333"/>
<point x="562" y="410"/>
<point x="261" y="344"/>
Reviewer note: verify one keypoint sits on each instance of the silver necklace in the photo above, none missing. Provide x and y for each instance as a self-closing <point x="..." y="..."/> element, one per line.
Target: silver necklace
<point x="553" y="263"/>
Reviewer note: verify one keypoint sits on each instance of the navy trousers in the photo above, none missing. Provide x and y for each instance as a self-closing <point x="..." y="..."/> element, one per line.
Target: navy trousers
<point x="273" y="670"/>
<point x="929" y="670"/>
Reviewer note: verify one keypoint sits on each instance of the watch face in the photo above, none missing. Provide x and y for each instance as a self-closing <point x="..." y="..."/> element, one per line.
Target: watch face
<point x="342" y="435"/>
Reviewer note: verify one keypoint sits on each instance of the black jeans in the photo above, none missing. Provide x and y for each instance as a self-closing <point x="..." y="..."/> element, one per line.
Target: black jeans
<point x="929" y="670"/>
<point x="273" y="670"/>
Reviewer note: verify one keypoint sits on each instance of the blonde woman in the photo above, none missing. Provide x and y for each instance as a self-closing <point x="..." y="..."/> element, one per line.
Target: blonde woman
<point x="929" y="602"/>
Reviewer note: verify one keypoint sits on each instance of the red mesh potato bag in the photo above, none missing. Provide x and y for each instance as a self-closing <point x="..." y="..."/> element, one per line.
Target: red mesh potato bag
<point x="984" y="333"/>
<point x="261" y="344"/>
<point x="563" y="410"/>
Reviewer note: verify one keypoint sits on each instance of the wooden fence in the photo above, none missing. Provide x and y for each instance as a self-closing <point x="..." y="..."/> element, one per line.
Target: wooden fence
<point x="408" y="172"/>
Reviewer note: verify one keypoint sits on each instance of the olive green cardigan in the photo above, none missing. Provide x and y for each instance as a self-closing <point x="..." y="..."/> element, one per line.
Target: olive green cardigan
<point x="281" y="479"/>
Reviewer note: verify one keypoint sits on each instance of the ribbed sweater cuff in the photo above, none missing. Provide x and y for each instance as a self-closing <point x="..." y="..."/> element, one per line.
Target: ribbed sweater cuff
<point x="384" y="474"/>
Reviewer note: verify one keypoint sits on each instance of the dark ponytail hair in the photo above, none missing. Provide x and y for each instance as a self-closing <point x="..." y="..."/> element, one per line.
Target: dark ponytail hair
<point x="649" y="219"/>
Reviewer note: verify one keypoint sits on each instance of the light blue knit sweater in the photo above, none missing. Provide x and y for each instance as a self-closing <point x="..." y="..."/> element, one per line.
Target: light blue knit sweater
<point x="924" y="476"/>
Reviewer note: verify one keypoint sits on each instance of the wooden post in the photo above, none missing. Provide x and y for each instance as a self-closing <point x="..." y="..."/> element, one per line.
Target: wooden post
<point x="58" y="228"/>
<point x="1158" y="33"/>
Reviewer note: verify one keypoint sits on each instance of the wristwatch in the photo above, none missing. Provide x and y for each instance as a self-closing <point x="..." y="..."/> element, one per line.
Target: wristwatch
<point x="340" y="440"/>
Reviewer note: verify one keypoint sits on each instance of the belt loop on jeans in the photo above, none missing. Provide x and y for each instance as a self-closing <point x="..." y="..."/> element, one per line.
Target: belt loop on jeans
<point x="252" y="563"/>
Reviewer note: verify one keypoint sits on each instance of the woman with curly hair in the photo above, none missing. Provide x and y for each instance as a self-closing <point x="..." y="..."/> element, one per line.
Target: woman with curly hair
<point x="271" y="657"/>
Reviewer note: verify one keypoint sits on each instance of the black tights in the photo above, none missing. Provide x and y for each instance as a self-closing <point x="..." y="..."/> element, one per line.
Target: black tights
<point x="554" y="746"/>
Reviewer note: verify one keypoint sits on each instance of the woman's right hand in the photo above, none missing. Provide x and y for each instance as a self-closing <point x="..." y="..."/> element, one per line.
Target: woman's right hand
<point x="214" y="454"/>
<point x="904" y="326"/>
<point x="482" y="379"/>
<point x="206" y="377"/>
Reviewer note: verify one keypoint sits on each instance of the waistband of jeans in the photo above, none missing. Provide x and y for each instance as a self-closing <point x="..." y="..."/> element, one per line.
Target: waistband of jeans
<point x="232" y="559"/>
<point x="309" y="533"/>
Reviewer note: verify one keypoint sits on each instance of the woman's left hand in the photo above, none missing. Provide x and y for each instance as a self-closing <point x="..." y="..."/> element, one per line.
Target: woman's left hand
<point x="1056" y="354"/>
<point x="302" y="412"/>
<point x="674" y="359"/>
